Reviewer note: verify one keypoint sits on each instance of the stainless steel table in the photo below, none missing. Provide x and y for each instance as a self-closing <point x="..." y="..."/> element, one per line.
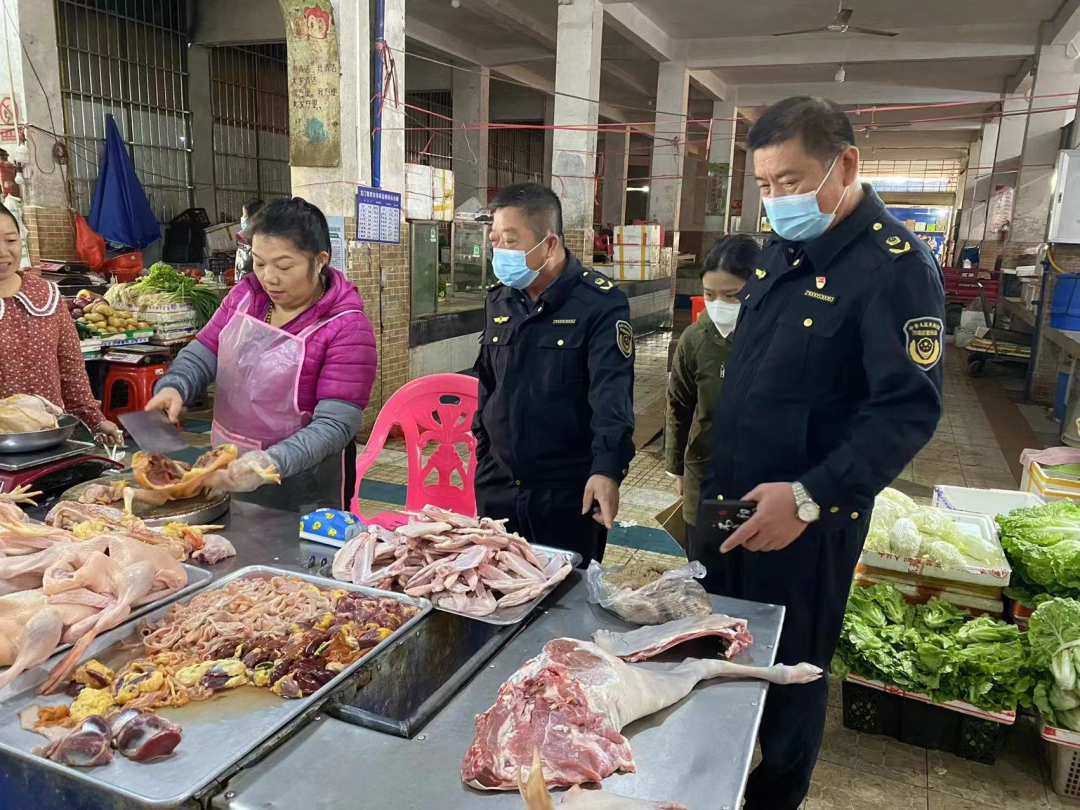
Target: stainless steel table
<point x="697" y="752"/>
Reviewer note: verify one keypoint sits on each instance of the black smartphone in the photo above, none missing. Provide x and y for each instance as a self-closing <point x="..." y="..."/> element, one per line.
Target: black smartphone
<point x="727" y="516"/>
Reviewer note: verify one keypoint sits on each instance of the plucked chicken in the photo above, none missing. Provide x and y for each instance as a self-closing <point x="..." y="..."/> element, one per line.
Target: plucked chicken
<point x="27" y="413"/>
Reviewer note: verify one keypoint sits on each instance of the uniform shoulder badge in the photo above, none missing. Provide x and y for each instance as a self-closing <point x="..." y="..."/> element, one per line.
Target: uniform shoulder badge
<point x="624" y="336"/>
<point x="923" y="336"/>
<point x="892" y="242"/>
<point x="597" y="281"/>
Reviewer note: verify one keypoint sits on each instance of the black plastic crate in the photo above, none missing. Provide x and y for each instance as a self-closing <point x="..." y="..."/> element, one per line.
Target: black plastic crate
<point x="192" y="216"/>
<point x="922" y="724"/>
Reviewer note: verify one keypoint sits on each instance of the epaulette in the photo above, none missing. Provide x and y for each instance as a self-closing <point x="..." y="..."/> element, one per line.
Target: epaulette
<point x="597" y="281"/>
<point x="893" y="239"/>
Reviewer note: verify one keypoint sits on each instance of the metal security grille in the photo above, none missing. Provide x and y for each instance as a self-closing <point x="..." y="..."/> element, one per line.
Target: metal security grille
<point x="127" y="58"/>
<point x="250" y="102"/>
<point x="515" y="155"/>
<point x="912" y="175"/>
<point x="428" y="138"/>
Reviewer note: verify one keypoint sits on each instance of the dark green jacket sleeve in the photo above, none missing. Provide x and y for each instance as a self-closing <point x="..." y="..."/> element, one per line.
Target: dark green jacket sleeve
<point x="681" y="403"/>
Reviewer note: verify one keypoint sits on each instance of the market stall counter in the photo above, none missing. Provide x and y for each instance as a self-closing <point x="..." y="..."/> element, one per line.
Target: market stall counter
<point x="696" y="752"/>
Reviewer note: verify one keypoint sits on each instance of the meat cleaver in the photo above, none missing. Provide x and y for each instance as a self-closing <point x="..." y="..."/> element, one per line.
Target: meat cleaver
<point x="153" y="432"/>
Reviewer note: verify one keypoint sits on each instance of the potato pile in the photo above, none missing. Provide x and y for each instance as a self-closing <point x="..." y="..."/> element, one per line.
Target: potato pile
<point x="93" y="312"/>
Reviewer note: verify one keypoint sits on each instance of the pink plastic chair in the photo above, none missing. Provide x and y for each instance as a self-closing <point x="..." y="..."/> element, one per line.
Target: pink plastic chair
<point x="438" y="408"/>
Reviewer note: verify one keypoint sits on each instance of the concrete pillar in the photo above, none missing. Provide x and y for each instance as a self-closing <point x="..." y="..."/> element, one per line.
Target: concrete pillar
<point x="722" y="152"/>
<point x="577" y="81"/>
<point x="981" y="180"/>
<point x="1010" y="145"/>
<point x="393" y="115"/>
<point x="549" y="133"/>
<point x="1055" y="74"/>
<point x="334" y="189"/>
<point x="616" y="166"/>
<point x="472" y="105"/>
<point x="751" y="199"/>
<point x="202" y="130"/>
<point x="669" y="146"/>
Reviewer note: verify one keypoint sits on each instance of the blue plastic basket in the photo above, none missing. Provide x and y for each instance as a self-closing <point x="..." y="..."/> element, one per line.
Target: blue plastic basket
<point x="1065" y="307"/>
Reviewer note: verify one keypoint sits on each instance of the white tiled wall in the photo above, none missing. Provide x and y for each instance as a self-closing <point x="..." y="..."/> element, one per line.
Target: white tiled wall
<point x="444" y="356"/>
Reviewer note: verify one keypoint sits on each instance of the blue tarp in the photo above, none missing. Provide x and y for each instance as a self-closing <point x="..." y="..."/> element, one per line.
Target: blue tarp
<point x="121" y="212"/>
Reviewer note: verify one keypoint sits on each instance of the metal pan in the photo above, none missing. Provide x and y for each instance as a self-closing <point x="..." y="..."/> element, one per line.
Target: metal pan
<point x="39" y="439"/>
<point x="509" y="615"/>
<point x="202" y="509"/>
<point x="196" y="578"/>
<point x="218" y="733"/>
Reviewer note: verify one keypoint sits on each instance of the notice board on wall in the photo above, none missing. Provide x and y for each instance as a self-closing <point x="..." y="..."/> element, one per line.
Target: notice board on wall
<point x="314" y="83"/>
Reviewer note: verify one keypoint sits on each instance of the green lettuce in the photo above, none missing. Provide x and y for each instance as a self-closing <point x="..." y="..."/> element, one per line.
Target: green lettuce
<point x="1043" y="547"/>
<point x="936" y="649"/>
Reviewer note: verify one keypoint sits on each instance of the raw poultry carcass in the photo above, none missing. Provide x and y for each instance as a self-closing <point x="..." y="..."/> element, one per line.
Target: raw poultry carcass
<point x="571" y="703"/>
<point x="31" y="628"/>
<point x="646" y="642"/>
<point x="27" y="413"/>
<point x="17" y="534"/>
<point x="464" y="564"/>
<point x="86" y="521"/>
<point x="537" y="797"/>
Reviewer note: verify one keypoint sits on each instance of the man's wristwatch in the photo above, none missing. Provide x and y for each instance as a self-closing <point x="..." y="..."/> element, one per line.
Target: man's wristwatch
<point x="805" y="508"/>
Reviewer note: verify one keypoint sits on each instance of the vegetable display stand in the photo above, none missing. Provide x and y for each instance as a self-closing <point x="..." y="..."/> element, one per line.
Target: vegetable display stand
<point x="1063" y="751"/>
<point x="957" y="727"/>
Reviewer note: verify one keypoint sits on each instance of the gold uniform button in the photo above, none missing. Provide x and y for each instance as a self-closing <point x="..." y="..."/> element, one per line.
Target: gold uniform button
<point x="877" y="226"/>
<point x="560" y="343"/>
<point x="517" y="483"/>
<point x="494" y="340"/>
<point x="854" y="515"/>
<point x="834" y="509"/>
<point x="626" y="471"/>
<point x="791" y="250"/>
<point x="796" y="263"/>
<point x="808" y="322"/>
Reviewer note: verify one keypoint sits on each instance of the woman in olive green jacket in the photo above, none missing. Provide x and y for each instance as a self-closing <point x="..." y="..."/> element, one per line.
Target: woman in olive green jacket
<point x="697" y="372"/>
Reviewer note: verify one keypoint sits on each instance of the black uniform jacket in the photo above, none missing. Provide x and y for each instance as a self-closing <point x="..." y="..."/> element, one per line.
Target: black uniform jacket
<point x="835" y="377"/>
<point x="556" y="384"/>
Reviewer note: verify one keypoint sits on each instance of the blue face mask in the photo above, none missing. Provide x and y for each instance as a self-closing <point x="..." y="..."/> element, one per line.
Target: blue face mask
<point x="797" y="217"/>
<point x="511" y="269"/>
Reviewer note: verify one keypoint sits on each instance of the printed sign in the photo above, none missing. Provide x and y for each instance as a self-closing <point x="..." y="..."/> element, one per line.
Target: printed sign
<point x="378" y="215"/>
<point x="337" y="241"/>
<point x="314" y="82"/>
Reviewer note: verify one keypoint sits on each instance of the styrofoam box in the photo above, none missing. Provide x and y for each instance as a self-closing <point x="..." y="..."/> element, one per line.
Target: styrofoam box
<point x="418" y="201"/>
<point x="222" y="237"/>
<point x="637" y="235"/>
<point x="1050" y="485"/>
<point x="983" y="501"/>
<point x="442" y="194"/>
<point x="635" y="254"/>
<point x="636" y="272"/>
<point x="969" y="523"/>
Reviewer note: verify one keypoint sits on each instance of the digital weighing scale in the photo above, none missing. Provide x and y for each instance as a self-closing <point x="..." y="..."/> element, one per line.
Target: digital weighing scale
<point x="53" y="471"/>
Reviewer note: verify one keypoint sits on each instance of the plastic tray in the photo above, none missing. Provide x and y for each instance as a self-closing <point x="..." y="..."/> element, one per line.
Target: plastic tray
<point x="217" y="733"/>
<point x="983" y="501"/>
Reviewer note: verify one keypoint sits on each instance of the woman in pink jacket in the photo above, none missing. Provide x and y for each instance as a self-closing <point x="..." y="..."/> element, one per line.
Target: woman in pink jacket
<point x="294" y="358"/>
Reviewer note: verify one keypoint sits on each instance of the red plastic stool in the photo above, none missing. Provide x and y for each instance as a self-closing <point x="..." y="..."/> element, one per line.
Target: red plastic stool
<point x="129" y="388"/>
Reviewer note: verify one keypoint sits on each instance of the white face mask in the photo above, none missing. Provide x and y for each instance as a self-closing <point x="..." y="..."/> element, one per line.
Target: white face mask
<point x="723" y="315"/>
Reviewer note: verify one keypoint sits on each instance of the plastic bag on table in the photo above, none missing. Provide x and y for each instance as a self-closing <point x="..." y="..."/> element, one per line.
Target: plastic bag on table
<point x="673" y="595"/>
<point x="245" y="474"/>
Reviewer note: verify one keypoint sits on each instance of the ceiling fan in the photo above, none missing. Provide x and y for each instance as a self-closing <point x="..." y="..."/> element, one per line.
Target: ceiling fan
<point x="841" y="24"/>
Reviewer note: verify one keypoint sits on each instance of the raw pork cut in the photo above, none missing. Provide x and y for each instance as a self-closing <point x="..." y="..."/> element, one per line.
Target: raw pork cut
<point x="645" y="642"/>
<point x="571" y="703"/>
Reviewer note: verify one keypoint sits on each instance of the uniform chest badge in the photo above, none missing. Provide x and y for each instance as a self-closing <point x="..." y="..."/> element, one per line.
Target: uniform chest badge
<point x="892" y="241"/>
<point x="924" y="341"/>
<point x="624" y="336"/>
<point x="501" y="319"/>
<point x="760" y="273"/>
<point x="819" y="282"/>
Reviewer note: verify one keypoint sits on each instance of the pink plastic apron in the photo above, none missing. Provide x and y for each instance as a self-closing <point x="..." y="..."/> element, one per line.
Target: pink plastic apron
<point x="258" y="382"/>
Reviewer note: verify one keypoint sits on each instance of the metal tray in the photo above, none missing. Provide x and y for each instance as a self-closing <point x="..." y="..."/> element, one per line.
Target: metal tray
<point x="218" y="733"/>
<point x="197" y="577"/>
<point x="202" y="509"/>
<point x="510" y="615"/>
<point x="39" y="439"/>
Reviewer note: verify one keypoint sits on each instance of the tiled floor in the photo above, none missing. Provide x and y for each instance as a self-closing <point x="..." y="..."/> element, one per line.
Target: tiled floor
<point x="854" y="771"/>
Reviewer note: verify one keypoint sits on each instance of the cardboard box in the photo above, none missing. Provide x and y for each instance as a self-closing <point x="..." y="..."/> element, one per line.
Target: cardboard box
<point x="637" y="235"/>
<point x="442" y="195"/>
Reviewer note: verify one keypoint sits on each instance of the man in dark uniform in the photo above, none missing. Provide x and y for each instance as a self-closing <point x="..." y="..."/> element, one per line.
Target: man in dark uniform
<point x="833" y="386"/>
<point x="555" y="419"/>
